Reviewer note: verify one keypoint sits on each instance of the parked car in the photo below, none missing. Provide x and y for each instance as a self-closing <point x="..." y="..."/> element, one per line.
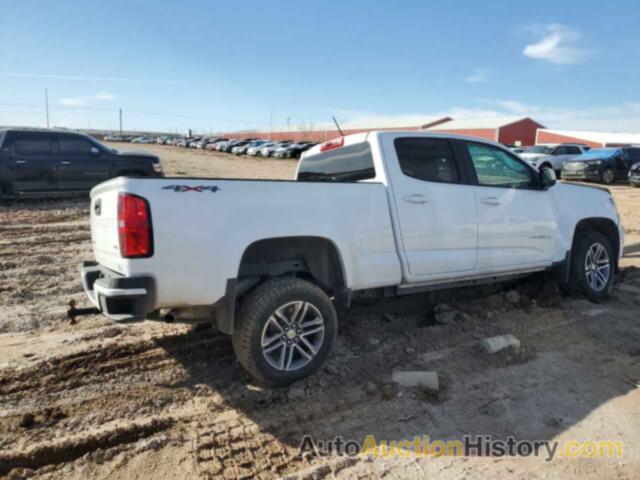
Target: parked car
<point x="219" y="145"/>
<point x="202" y="144"/>
<point x="145" y="139"/>
<point x="241" y="149"/>
<point x="402" y="212"/>
<point x="37" y="161"/>
<point x="556" y="156"/>
<point x="604" y="165"/>
<point x="113" y="138"/>
<point x="293" y="151"/>
<point x="255" y="151"/>
<point x="229" y="146"/>
<point x="268" y="151"/>
<point x="214" y="145"/>
<point x="193" y="142"/>
<point x="634" y="174"/>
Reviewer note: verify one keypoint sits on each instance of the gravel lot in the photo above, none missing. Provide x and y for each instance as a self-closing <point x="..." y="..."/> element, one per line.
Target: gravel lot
<point x="154" y="400"/>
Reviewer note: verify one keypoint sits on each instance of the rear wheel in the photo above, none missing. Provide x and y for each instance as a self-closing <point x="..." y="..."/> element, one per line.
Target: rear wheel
<point x="592" y="265"/>
<point x="608" y="176"/>
<point x="284" y="331"/>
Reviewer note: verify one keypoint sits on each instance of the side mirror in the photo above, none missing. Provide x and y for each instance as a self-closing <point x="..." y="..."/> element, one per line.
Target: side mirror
<point x="548" y="178"/>
<point x="94" y="151"/>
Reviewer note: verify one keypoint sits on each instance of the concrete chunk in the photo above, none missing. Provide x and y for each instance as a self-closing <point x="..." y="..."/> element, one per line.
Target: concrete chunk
<point x="495" y="344"/>
<point x="417" y="378"/>
<point x="513" y="297"/>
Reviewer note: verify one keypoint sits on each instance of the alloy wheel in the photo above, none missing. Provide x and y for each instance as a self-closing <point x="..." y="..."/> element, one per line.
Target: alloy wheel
<point x="597" y="267"/>
<point x="292" y="336"/>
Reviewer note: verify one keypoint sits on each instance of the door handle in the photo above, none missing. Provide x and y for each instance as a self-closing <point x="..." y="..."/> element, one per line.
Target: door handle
<point x="490" y="201"/>
<point x="416" y="198"/>
<point x="21" y="161"/>
<point x="64" y="162"/>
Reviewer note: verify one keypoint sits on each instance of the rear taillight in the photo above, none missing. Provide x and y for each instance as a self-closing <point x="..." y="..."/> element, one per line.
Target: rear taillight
<point x="134" y="226"/>
<point x="331" y="144"/>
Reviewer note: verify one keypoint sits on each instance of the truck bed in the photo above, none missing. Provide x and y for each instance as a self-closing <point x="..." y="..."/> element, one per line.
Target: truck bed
<point x="202" y="227"/>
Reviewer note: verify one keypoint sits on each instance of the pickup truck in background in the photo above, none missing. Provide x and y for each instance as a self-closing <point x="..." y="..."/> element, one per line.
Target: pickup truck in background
<point x="379" y="213"/>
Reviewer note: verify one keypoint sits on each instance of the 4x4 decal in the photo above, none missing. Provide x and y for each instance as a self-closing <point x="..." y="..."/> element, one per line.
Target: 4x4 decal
<point x="188" y="188"/>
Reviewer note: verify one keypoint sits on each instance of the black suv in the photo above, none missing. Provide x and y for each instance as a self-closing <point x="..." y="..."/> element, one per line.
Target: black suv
<point x="53" y="161"/>
<point x="603" y="165"/>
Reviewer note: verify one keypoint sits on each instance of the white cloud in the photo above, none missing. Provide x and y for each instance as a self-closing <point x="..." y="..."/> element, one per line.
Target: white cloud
<point x="556" y="44"/>
<point x="478" y="75"/>
<point x="624" y="117"/>
<point x="88" y="100"/>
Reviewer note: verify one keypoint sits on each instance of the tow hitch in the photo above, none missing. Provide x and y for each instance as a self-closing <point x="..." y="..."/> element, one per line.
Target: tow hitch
<point x="74" y="312"/>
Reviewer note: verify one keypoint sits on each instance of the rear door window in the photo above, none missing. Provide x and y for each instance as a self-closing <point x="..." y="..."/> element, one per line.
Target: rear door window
<point x="345" y="164"/>
<point x="31" y="144"/>
<point x="428" y="159"/>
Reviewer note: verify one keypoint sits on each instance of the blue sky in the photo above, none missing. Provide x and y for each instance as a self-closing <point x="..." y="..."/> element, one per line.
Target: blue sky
<point x="217" y="65"/>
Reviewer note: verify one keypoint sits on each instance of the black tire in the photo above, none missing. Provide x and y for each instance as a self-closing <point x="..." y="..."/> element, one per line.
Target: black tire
<point x="579" y="280"/>
<point x="255" y="317"/>
<point x="607" y="176"/>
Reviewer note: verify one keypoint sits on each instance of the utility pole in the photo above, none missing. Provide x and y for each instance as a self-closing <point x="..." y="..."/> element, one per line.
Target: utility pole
<point x="46" y="105"/>
<point x="288" y="121"/>
<point x="120" y="115"/>
<point x="271" y="124"/>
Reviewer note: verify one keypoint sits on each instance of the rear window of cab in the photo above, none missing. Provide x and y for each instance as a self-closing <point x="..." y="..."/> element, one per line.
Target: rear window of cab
<point x="345" y="164"/>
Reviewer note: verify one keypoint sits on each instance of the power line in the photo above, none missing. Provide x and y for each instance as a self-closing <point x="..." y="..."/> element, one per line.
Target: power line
<point x="153" y="114"/>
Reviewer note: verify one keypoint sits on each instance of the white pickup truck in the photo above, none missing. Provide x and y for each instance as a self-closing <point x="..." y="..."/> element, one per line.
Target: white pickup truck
<point x="383" y="213"/>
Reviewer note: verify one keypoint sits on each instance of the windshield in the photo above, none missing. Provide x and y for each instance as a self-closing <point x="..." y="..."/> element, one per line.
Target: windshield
<point x="538" y="149"/>
<point x="600" y="153"/>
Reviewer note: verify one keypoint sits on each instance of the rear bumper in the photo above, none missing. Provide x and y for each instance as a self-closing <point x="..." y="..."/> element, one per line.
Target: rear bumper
<point x="119" y="297"/>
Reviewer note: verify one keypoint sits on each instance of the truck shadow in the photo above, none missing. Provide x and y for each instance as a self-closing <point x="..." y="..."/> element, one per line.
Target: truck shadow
<point x="573" y="363"/>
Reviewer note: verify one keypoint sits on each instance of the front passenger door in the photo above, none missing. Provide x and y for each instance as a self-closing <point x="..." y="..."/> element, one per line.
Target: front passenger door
<point x="516" y="219"/>
<point x="81" y="164"/>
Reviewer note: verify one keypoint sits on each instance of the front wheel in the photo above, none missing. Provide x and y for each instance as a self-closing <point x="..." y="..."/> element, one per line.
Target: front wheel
<point x="608" y="176"/>
<point x="592" y="265"/>
<point x="284" y="331"/>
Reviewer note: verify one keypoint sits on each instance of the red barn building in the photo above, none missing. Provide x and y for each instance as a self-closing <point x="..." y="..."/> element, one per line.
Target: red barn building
<point x="505" y="130"/>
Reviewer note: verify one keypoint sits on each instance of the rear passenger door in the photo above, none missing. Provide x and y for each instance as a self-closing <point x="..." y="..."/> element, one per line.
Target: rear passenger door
<point x="436" y="222"/>
<point x="81" y="164"/>
<point x="32" y="161"/>
<point x="516" y="218"/>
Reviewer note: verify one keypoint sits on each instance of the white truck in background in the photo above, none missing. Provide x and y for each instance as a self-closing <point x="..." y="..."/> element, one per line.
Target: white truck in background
<point x="381" y="213"/>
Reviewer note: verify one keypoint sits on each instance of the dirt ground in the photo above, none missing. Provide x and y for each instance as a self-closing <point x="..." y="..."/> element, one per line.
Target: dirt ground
<point x="155" y="400"/>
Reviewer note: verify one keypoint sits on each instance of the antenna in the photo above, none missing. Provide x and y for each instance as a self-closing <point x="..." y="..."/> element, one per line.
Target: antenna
<point x="337" y="126"/>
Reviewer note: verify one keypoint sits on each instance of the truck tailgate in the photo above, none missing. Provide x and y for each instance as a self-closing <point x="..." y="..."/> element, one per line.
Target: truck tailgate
<point x="104" y="224"/>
